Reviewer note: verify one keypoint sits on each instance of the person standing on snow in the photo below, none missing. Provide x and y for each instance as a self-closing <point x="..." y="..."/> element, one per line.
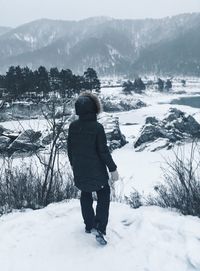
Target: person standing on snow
<point x="89" y="157"/>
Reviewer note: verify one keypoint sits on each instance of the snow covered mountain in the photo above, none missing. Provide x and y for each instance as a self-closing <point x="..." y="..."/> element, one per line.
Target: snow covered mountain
<point x="111" y="46"/>
<point x="180" y="55"/>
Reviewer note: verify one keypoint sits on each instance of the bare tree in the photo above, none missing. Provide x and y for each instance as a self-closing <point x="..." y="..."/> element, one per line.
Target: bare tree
<point x="58" y="132"/>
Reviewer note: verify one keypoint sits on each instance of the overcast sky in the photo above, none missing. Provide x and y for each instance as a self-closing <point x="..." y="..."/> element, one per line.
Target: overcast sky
<point x="16" y="12"/>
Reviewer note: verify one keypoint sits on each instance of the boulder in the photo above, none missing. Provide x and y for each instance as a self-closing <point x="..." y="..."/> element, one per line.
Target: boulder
<point x="62" y="140"/>
<point x="184" y="123"/>
<point x="115" y="104"/>
<point x="4" y="143"/>
<point x="177" y="126"/>
<point x="115" y="138"/>
<point x="26" y="141"/>
<point x="47" y="139"/>
<point x="3" y="130"/>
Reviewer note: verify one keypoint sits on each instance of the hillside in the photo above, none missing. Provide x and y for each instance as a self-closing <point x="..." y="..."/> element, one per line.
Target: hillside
<point x="178" y="56"/>
<point x="111" y="46"/>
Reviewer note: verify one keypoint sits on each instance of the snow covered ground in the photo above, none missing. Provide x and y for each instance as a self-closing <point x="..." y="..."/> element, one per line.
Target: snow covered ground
<point x="147" y="239"/>
<point x="142" y="170"/>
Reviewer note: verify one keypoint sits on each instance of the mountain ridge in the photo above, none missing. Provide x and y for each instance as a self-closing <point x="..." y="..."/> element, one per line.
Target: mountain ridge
<point x="111" y="46"/>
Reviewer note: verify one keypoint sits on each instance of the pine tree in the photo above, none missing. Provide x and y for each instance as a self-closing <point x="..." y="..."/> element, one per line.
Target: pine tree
<point x="66" y="77"/>
<point x="160" y="84"/>
<point x="91" y="80"/>
<point x="55" y="81"/>
<point x="168" y="84"/>
<point x="138" y="85"/>
<point x="42" y="79"/>
<point x="127" y="87"/>
<point x="183" y="82"/>
<point x="10" y="81"/>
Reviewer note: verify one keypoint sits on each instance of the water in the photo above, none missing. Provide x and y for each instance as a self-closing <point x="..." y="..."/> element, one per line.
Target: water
<point x="193" y="101"/>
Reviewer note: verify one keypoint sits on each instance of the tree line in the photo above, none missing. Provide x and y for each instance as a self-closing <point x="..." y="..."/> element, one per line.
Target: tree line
<point x="21" y="80"/>
<point x="138" y="86"/>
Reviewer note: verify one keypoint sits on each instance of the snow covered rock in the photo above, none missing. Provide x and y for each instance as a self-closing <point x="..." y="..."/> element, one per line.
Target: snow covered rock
<point x="3" y="130"/>
<point x="4" y="143"/>
<point x="177" y="126"/>
<point x="46" y="140"/>
<point x="114" y="136"/>
<point x="183" y="122"/>
<point x="26" y="141"/>
<point x="115" y="104"/>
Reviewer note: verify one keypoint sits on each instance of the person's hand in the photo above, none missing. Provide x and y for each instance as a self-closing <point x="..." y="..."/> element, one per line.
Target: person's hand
<point x="114" y="175"/>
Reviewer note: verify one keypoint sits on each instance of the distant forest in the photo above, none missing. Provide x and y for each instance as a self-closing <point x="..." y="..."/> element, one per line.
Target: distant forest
<point x="18" y="82"/>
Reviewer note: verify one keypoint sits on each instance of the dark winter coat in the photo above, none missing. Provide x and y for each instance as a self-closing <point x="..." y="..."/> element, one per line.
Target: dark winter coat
<point x="87" y="146"/>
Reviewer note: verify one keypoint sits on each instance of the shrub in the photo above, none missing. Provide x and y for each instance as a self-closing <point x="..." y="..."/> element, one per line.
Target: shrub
<point x="21" y="187"/>
<point x="181" y="187"/>
<point x="128" y="87"/>
<point x="134" y="200"/>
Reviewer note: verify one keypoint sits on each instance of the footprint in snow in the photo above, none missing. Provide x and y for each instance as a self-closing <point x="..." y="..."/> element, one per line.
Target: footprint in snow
<point x="126" y="222"/>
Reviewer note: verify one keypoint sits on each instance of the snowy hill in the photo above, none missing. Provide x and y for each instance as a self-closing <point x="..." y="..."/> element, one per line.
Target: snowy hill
<point x="111" y="46"/>
<point x="53" y="238"/>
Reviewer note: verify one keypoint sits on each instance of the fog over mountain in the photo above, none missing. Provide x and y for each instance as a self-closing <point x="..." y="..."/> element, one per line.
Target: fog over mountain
<point x="111" y="46"/>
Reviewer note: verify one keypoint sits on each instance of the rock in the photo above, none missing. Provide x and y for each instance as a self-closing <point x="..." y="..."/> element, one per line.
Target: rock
<point x="174" y="114"/>
<point x="48" y="136"/>
<point x="63" y="111"/>
<point x="26" y="141"/>
<point x="3" y="130"/>
<point x="139" y="104"/>
<point x="29" y="136"/>
<point x="4" y="143"/>
<point x="149" y="133"/>
<point x="114" y="136"/>
<point x="115" y="104"/>
<point x="47" y="139"/>
<point x="151" y="120"/>
<point x="11" y="135"/>
<point x="183" y="122"/>
<point x="177" y="126"/>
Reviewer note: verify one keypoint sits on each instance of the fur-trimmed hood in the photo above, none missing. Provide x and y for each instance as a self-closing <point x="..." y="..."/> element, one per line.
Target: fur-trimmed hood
<point x="88" y="103"/>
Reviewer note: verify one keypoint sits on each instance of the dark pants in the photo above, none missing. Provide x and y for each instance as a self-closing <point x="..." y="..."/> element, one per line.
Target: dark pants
<point x="100" y="220"/>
